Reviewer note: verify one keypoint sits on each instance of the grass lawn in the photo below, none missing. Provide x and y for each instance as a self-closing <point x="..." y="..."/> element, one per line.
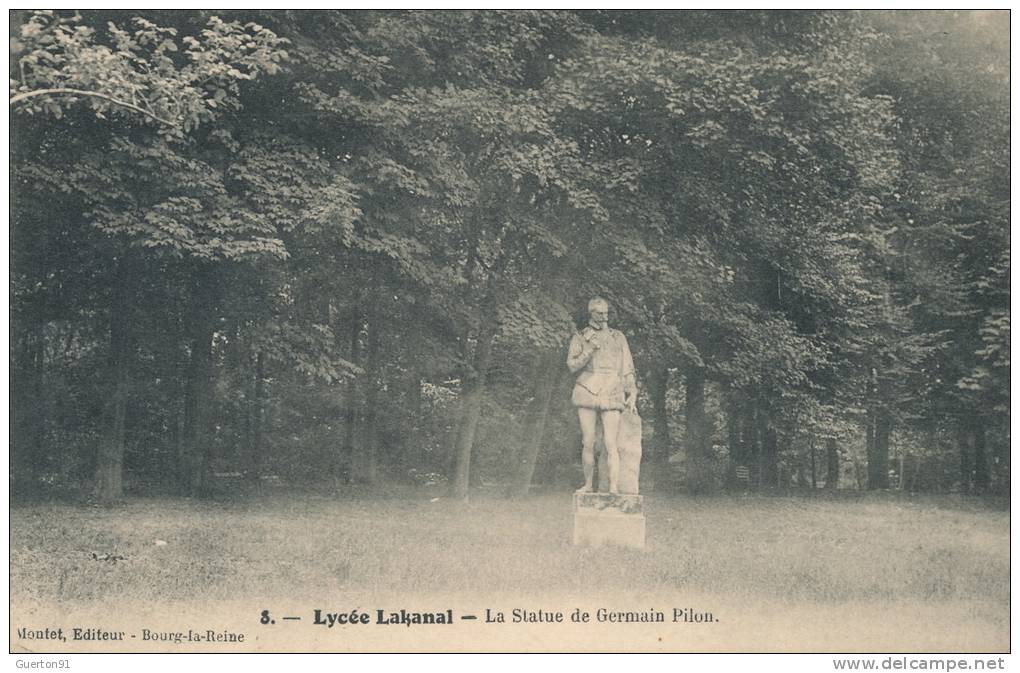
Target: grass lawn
<point x="776" y="573"/>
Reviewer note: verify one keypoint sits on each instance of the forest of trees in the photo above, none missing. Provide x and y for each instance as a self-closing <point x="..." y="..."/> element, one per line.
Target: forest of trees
<point x="327" y="248"/>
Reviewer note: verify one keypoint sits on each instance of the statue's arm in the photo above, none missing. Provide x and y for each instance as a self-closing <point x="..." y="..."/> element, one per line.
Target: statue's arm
<point x="627" y="370"/>
<point x="579" y="354"/>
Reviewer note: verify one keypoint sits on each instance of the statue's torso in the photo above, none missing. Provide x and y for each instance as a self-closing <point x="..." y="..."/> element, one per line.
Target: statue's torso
<point x="609" y="356"/>
<point x="600" y="383"/>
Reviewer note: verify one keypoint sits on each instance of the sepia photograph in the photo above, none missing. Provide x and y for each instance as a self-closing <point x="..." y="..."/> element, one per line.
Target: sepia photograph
<point x="510" y="331"/>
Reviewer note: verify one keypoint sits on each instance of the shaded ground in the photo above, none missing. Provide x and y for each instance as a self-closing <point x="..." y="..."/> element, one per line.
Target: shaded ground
<point x="780" y="573"/>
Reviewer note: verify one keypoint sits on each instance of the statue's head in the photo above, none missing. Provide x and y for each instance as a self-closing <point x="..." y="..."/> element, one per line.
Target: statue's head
<point x="598" y="313"/>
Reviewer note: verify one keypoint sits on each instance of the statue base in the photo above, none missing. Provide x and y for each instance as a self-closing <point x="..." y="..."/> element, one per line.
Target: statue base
<point x="606" y="519"/>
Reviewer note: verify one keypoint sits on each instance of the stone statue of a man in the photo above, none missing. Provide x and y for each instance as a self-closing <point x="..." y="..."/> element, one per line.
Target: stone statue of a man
<point x="605" y="387"/>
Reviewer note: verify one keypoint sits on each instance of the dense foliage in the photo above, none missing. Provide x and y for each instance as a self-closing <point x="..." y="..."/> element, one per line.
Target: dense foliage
<point x="327" y="247"/>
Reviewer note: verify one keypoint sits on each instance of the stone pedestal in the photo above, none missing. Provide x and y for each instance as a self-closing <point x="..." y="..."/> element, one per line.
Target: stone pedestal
<point x="604" y="519"/>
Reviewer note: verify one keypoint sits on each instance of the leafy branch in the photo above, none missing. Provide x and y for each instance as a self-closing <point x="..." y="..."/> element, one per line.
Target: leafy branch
<point x="17" y="98"/>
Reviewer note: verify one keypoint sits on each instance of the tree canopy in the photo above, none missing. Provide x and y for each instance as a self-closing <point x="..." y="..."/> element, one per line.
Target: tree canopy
<point x="351" y="245"/>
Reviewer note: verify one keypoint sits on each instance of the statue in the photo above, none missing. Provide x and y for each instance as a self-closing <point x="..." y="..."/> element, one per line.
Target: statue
<point x="605" y="388"/>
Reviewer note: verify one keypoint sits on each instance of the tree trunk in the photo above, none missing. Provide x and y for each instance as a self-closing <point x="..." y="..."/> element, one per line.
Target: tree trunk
<point x="257" y="413"/>
<point x="697" y="438"/>
<point x="365" y="467"/>
<point x="40" y="411"/>
<point x="28" y="406"/>
<point x="734" y="442"/>
<point x="878" y="462"/>
<point x="740" y="446"/>
<point x="752" y="439"/>
<point x="412" y="449"/>
<point x="982" y="475"/>
<point x="869" y="444"/>
<point x="966" y="458"/>
<point x="196" y="413"/>
<point x="474" y="391"/>
<point x="659" y="389"/>
<point x="197" y="441"/>
<point x="831" y="464"/>
<point x="110" y="457"/>
<point x="814" y="471"/>
<point x="770" y="456"/>
<point x="345" y="464"/>
<point x="1000" y="467"/>
<point x="550" y="371"/>
<point x="466" y="356"/>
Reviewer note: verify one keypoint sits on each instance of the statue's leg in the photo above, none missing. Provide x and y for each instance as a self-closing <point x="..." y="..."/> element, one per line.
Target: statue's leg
<point x="588" y="418"/>
<point x="610" y="428"/>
